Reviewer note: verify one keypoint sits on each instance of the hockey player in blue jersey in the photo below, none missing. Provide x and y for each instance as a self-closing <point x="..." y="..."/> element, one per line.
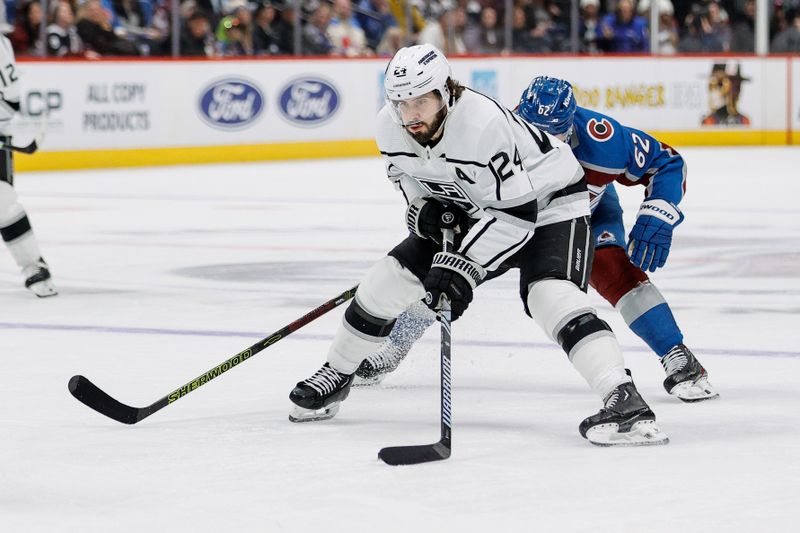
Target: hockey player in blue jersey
<point x="608" y="152"/>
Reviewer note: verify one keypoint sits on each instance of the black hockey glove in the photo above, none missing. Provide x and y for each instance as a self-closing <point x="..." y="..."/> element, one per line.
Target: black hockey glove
<point x="455" y="276"/>
<point x="427" y="217"/>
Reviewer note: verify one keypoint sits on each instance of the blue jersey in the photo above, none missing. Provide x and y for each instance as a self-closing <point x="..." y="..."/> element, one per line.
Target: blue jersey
<point x="609" y="151"/>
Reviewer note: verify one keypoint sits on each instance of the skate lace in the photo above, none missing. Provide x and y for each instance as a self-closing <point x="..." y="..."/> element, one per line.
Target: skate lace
<point x="324" y="380"/>
<point x="386" y="357"/>
<point x="675" y="360"/>
<point x="612" y="400"/>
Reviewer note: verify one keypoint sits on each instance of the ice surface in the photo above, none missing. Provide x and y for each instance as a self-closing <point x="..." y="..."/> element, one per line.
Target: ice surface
<point x="165" y="273"/>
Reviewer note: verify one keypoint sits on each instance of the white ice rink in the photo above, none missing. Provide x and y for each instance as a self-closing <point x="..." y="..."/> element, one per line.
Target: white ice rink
<point x="165" y="273"/>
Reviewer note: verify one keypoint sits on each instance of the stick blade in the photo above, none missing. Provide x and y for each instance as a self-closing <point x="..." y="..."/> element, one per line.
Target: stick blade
<point x="91" y="396"/>
<point x="413" y="455"/>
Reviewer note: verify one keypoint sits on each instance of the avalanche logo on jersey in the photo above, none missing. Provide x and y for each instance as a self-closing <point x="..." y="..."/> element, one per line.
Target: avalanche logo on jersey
<point x="231" y="103"/>
<point x="308" y="101"/>
<point x="606" y="238"/>
<point x="600" y="131"/>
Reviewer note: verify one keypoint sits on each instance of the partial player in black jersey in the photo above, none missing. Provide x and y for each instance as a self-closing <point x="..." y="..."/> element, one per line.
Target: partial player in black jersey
<point x="518" y="199"/>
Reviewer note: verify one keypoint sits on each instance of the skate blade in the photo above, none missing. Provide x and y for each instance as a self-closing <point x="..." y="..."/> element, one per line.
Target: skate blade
<point x="698" y="391"/>
<point x="43" y="289"/>
<point x="300" y="414"/>
<point x="358" y="381"/>
<point x="642" y="433"/>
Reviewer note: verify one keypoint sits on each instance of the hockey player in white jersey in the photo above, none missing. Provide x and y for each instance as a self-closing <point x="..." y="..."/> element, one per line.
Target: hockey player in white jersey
<point x="15" y="228"/>
<point x="517" y="199"/>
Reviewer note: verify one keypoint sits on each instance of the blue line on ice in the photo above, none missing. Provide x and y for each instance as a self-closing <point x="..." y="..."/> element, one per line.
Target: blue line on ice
<point x="301" y="336"/>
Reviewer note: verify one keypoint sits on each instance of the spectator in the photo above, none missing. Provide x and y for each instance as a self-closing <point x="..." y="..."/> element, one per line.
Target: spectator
<point x="5" y="27"/>
<point x="284" y="28"/>
<point x="62" y="35"/>
<point x="590" y="26"/>
<point x="393" y="40"/>
<point x="699" y="36"/>
<point x="375" y="17"/>
<point x="25" y="37"/>
<point x="265" y="34"/>
<point x="487" y="37"/>
<point x="623" y="31"/>
<point x="235" y="32"/>
<point x="315" y="33"/>
<point x="399" y="9"/>
<point x="743" y="37"/>
<point x="213" y="9"/>
<point x="527" y="40"/>
<point x="135" y="25"/>
<point x="94" y="27"/>
<point x="196" y="37"/>
<point x="788" y="41"/>
<point x="345" y="32"/>
<point x="667" y="27"/>
<point x="443" y="32"/>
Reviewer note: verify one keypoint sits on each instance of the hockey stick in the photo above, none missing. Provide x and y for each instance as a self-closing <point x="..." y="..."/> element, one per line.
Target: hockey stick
<point x="425" y="453"/>
<point x="92" y="396"/>
<point x="28" y="149"/>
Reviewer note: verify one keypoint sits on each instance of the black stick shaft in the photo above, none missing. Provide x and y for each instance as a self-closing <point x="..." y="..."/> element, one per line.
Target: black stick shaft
<point x="92" y="396"/>
<point x="446" y="383"/>
<point x="244" y="355"/>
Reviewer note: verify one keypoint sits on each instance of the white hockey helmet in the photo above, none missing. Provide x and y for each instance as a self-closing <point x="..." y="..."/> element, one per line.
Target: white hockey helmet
<point x="417" y="70"/>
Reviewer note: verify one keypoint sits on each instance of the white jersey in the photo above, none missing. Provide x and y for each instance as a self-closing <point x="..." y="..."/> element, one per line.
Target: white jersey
<point x="9" y="83"/>
<point x="504" y="173"/>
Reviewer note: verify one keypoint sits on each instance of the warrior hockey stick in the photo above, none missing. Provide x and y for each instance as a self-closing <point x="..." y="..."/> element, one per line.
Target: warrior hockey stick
<point x="90" y="394"/>
<point x="28" y="149"/>
<point x="425" y="453"/>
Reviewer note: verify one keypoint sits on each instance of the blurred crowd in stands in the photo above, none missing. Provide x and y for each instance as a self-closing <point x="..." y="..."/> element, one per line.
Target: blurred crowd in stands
<point x="353" y="28"/>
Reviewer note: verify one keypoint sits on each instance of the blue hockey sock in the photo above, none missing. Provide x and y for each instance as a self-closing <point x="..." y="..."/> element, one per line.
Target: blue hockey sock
<point x="657" y="327"/>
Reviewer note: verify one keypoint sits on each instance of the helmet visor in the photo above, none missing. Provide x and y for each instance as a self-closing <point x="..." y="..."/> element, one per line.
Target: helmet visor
<point x="416" y="111"/>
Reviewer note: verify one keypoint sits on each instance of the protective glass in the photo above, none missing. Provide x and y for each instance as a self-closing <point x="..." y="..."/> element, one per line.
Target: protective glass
<point x="416" y="110"/>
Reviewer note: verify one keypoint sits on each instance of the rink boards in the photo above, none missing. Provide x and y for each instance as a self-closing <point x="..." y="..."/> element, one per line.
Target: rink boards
<point x="135" y="113"/>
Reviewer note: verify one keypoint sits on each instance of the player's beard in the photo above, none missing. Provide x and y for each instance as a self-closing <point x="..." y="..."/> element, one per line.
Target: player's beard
<point x="426" y="135"/>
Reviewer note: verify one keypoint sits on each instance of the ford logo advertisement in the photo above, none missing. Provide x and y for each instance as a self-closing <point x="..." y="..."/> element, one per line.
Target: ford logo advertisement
<point x="231" y="103"/>
<point x="309" y="101"/>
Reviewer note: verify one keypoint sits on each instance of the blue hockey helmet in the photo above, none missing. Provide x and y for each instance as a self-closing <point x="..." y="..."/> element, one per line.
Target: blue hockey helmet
<point x="548" y="104"/>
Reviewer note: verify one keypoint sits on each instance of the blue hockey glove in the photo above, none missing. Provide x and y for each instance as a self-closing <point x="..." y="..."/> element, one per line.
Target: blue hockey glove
<point x="651" y="236"/>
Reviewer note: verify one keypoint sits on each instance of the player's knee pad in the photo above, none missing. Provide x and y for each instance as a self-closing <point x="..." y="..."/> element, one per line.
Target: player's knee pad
<point x="385" y="292"/>
<point x="14" y="222"/>
<point x="580" y="331"/>
<point x="613" y="274"/>
<point x="555" y="302"/>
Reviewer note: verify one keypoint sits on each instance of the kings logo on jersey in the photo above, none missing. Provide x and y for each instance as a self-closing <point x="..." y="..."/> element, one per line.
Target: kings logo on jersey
<point x="231" y="103"/>
<point x="308" y="101"/>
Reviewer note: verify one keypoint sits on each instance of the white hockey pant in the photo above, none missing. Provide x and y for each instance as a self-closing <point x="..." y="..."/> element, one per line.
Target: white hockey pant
<point x="386" y="291"/>
<point x="15" y="228"/>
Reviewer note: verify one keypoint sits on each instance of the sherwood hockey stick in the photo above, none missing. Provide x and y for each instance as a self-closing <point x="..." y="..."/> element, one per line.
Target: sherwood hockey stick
<point x="425" y="453"/>
<point x="28" y="149"/>
<point x="92" y="396"/>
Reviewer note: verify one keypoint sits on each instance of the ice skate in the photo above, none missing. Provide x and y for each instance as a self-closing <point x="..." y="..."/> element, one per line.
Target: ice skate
<point x="318" y="397"/>
<point x="410" y="326"/>
<point x="686" y="377"/>
<point x="378" y="364"/>
<point x="624" y="420"/>
<point x="38" y="279"/>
